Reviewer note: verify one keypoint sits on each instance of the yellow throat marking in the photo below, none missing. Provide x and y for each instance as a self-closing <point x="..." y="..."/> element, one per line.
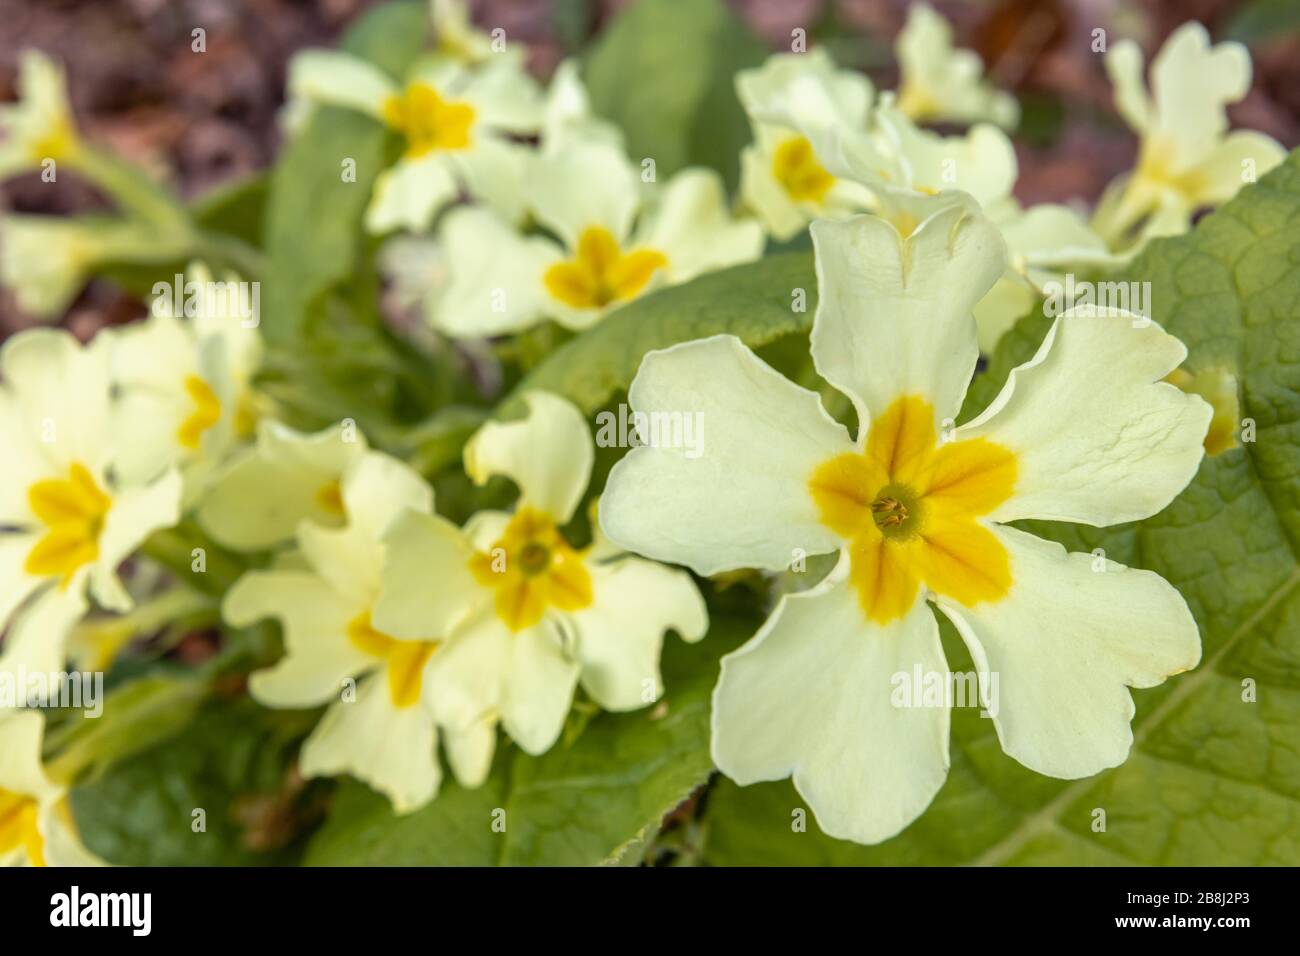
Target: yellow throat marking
<point x="532" y="568"/>
<point x="73" y="510"/>
<point x="907" y="506"/>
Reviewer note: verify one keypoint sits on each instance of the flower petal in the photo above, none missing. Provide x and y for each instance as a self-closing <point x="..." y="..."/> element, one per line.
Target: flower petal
<point x="738" y="496"/>
<point x="408" y="194"/>
<point x="693" y="227"/>
<point x="496" y="276"/>
<point x="15" y="583"/>
<point x="428" y="588"/>
<point x="63" y="846"/>
<point x="493" y="170"/>
<point x="1241" y="157"/>
<point x="136" y="513"/>
<point x="339" y="79"/>
<point x="810" y="696"/>
<point x="287" y="477"/>
<point x="1098" y="437"/>
<point x="1124" y="64"/>
<point x="314" y="619"/>
<point x="21" y="770"/>
<point x="38" y="635"/>
<point x="469" y="750"/>
<point x="548" y="455"/>
<point x="894" y="315"/>
<point x="539" y="689"/>
<point x="1192" y="82"/>
<point x="1065" y="645"/>
<point x="392" y="749"/>
<point x="621" y="634"/>
<point x="583" y="185"/>
<point x="61" y="390"/>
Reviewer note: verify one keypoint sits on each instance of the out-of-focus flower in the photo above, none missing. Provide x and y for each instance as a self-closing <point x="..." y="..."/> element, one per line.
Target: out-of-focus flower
<point x="381" y="725"/>
<point x="185" y="380"/>
<point x="69" y="520"/>
<point x="533" y="615"/>
<point x="36" y="825"/>
<point x="616" y="240"/>
<point x="39" y="126"/>
<point x="917" y="510"/>
<point x="1188" y="159"/>
<point x="942" y="84"/>
<point x="259" y="498"/>
<point x="47" y="260"/>
<point x="457" y="125"/>
<point x="782" y="179"/>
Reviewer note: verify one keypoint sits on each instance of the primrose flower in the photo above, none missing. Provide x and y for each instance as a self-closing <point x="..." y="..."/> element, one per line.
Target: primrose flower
<point x="259" y="498"/>
<point x="39" y="126"/>
<point x="941" y="84"/>
<point x="781" y="178"/>
<point x="1085" y="431"/>
<point x="456" y="123"/>
<point x="533" y="614"/>
<point x="1188" y="159"/>
<point x="185" y="381"/>
<point x="36" y="825"/>
<point x="66" y="519"/>
<point x="381" y="725"/>
<point x="615" y="242"/>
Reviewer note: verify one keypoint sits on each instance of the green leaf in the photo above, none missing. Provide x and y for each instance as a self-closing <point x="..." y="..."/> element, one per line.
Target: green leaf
<point x="754" y="302"/>
<point x="663" y="71"/>
<point x="597" y="799"/>
<point x="229" y="763"/>
<point x="391" y="36"/>
<point x="1213" y="778"/>
<point x="237" y="209"/>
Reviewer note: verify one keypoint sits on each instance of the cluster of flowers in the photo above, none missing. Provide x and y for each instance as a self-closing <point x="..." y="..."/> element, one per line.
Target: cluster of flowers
<point x="418" y="632"/>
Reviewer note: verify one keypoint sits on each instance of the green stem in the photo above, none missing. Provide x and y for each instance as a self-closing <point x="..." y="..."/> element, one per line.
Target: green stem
<point x="131" y="189"/>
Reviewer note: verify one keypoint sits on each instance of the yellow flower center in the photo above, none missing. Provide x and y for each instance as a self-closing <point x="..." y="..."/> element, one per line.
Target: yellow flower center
<point x="403" y="660"/>
<point x="18" y="827"/>
<point x="205" y="412"/>
<point x="600" y="273"/>
<point x="428" y="121"/>
<point x="329" y="498"/>
<point x="531" y="568"/>
<point x="795" y="167"/>
<point x="907" y="505"/>
<point x="1219" y="388"/>
<point x="73" y="511"/>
